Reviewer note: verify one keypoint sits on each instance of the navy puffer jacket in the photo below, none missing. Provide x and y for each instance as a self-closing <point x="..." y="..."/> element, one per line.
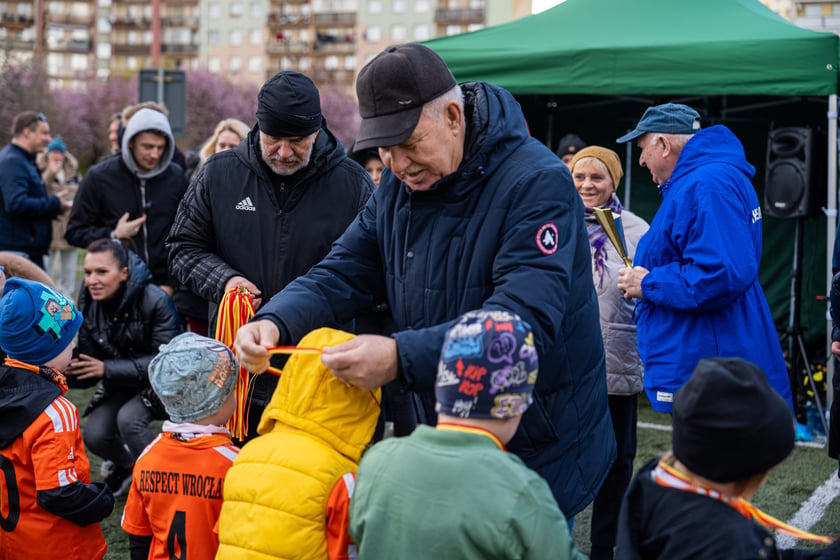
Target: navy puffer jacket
<point x="504" y="231"/>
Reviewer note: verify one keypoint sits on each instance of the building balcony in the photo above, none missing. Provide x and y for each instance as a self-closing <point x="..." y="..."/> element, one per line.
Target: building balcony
<point x="337" y="76"/>
<point x="278" y="5"/>
<point x="330" y="44"/>
<point x="287" y="47"/>
<point x="188" y="22"/>
<point x="179" y="48"/>
<point x="69" y="20"/>
<point x="17" y="44"/>
<point x="819" y="23"/>
<point x="459" y="15"/>
<point x="15" y="21"/>
<point x="335" y="18"/>
<point x="118" y="22"/>
<point x="70" y="74"/>
<point x="276" y="21"/>
<point x="72" y="46"/>
<point x="134" y="49"/>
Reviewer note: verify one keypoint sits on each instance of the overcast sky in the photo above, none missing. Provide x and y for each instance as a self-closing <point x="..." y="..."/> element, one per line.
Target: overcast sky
<point x="538" y="6"/>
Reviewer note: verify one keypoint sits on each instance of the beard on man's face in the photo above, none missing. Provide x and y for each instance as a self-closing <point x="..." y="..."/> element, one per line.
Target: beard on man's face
<point x="286" y="166"/>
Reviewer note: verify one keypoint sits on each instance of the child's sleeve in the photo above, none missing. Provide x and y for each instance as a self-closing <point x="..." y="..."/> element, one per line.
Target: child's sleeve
<point x="62" y="473"/>
<point x="339" y="544"/>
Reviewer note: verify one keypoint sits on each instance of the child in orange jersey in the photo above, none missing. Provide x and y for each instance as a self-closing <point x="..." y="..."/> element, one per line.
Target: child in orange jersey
<point x="176" y="488"/>
<point x="46" y="496"/>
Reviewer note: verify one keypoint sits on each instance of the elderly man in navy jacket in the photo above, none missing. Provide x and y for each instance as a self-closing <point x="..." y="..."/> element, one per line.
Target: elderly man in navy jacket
<point x="471" y="213"/>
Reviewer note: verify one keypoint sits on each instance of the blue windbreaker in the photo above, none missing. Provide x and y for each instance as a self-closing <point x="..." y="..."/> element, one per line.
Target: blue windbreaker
<point x="504" y="231"/>
<point x="702" y="297"/>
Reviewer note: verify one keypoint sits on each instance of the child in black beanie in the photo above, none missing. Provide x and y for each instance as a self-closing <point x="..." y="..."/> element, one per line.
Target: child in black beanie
<point x="730" y="429"/>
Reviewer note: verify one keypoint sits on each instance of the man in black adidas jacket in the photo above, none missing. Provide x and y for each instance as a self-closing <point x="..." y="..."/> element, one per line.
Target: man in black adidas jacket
<point x="262" y="214"/>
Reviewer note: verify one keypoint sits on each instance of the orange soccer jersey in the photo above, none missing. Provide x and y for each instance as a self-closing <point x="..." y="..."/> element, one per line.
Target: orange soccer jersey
<point x="176" y="493"/>
<point x="49" y="454"/>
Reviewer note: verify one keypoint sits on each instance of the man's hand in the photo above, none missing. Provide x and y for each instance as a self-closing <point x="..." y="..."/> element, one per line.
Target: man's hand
<point x="54" y="165"/>
<point x="244" y="283"/>
<point x="630" y="281"/>
<point x="835" y="348"/>
<point x="126" y="229"/>
<point x="367" y="361"/>
<point x="86" y="367"/>
<point x="251" y="342"/>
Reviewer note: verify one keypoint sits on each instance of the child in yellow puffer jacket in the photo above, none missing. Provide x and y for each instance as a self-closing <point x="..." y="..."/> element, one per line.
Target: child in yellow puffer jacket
<point x="287" y="494"/>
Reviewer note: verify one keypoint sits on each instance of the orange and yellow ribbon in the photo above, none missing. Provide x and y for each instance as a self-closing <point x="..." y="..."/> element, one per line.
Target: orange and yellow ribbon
<point x="236" y="309"/>
<point x="666" y="475"/>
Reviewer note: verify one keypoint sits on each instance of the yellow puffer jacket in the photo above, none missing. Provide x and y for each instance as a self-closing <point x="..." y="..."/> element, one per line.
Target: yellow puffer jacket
<point x="313" y="431"/>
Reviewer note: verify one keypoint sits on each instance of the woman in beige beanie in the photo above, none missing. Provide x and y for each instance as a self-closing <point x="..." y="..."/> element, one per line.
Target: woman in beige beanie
<point x="597" y="172"/>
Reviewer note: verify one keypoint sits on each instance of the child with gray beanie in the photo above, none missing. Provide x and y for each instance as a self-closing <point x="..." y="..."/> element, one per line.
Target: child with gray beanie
<point x="731" y="428"/>
<point x="452" y="491"/>
<point x="48" y="499"/>
<point x="176" y="489"/>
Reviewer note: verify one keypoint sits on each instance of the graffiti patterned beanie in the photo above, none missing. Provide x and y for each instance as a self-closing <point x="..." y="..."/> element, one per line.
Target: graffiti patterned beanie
<point x="488" y="366"/>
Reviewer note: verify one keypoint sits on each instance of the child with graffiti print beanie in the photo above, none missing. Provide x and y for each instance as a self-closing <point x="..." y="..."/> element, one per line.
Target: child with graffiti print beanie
<point x="49" y="500"/>
<point x="453" y="491"/>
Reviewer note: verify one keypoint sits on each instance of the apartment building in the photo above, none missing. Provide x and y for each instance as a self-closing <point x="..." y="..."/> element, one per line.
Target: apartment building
<point x="152" y="34"/>
<point x="233" y="39"/>
<point x="60" y="34"/>
<point x="244" y="40"/>
<point x="817" y="15"/>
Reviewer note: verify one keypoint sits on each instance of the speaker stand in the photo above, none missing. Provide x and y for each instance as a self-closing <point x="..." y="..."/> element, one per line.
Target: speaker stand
<point x="793" y="332"/>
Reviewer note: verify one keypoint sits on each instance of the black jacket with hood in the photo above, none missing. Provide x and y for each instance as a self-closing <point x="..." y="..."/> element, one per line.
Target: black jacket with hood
<point x="127" y="333"/>
<point x="116" y="185"/>
<point x="231" y="222"/>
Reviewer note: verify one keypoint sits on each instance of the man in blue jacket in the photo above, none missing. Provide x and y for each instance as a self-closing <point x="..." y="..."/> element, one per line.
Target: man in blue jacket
<point x="471" y="213"/>
<point x="26" y="210"/>
<point x="696" y="273"/>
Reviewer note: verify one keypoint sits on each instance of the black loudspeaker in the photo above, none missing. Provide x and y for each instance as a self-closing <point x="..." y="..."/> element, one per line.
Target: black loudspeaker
<point x="792" y="187"/>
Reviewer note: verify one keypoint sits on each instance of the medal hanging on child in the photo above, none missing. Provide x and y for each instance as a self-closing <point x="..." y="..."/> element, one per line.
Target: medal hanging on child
<point x="236" y="309"/>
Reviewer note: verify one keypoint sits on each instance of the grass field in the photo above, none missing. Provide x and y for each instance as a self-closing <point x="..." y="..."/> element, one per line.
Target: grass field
<point x="803" y="491"/>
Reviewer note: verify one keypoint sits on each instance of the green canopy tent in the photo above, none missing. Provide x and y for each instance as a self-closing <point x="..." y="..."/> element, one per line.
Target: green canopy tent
<point x="592" y="66"/>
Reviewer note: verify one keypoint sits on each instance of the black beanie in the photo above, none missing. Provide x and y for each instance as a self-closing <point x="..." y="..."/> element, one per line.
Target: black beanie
<point x="729" y="424"/>
<point x="289" y="105"/>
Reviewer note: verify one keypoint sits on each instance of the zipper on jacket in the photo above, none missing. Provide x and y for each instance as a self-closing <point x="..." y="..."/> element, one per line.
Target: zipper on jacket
<point x="143" y="212"/>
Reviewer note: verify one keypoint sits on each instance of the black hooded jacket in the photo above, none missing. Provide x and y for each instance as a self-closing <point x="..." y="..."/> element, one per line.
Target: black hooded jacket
<point x="232" y="223"/>
<point x="128" y="337"/>
<point x="115" y="186"/>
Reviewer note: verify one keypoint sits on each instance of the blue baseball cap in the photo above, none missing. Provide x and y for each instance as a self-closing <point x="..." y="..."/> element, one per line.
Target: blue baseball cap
<point x="670" y="118"/>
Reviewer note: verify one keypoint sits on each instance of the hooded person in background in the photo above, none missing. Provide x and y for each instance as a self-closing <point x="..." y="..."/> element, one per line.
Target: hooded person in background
<point x="60" y="172"/>
<point x="133" y="195"/>
<point x="569" y="145"/>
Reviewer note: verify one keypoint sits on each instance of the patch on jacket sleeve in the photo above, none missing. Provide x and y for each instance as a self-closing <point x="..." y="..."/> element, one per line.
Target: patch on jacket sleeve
<point x="547" y="238"/>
